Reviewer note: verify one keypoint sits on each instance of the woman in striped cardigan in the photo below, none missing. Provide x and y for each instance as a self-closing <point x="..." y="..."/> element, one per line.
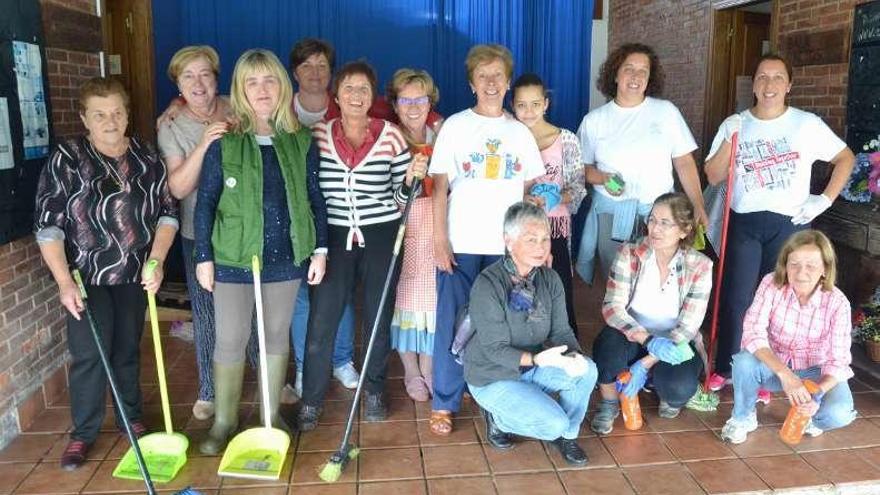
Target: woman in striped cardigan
<point x="366" y="173"/>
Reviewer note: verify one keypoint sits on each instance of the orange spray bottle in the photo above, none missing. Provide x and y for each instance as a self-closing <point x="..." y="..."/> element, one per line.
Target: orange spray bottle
<point x="796" y="422"/>
<point x="629" y="406"/>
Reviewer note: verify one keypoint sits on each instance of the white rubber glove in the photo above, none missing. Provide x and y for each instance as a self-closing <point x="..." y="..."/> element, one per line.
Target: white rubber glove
<point x="811" y="208"/>
<point x="551" y="357"/>
<point x="575" y="365"/>
<point x="731" y="126"/>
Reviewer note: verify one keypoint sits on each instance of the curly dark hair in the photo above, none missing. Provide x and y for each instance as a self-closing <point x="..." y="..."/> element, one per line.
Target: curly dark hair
<point x="608" y="72"/>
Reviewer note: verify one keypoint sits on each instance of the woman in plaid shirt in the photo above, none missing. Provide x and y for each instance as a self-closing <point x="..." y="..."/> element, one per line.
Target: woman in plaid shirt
<point x="656" y="297"/>
<point x="798" y="327"/>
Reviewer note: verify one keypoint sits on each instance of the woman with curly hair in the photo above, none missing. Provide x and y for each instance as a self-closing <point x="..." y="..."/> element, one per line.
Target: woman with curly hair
<point x="630" y="147"/>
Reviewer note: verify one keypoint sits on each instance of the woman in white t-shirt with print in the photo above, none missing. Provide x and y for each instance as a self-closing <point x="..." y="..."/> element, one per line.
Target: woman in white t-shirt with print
<point x="638" y="140"/>
<point x="776" y="148"/>
<point x="484" y="159"/>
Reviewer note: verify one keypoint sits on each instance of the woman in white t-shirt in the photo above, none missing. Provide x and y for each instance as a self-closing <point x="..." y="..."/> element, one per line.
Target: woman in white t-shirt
<point x="776" y="148"/>
<point x="484" y="159"/>
<point x="630" y="147"/>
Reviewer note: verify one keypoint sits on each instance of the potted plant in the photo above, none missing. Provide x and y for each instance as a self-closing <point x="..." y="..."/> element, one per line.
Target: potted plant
<point x="866" y="328"/>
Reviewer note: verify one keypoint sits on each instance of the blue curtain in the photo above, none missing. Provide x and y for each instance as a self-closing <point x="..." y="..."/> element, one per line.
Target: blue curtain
<point x="548" y="37"/>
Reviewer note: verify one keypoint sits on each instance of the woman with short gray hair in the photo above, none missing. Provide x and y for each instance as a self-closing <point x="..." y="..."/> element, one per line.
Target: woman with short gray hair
<point x="517" y="304"/>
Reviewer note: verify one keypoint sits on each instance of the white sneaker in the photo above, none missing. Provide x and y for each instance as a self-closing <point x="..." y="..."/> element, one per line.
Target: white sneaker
<point x="347" y="375"/>
<point x="203" y="409"/>
<point x="735" y="431"/>
<point x="813" y="430"/>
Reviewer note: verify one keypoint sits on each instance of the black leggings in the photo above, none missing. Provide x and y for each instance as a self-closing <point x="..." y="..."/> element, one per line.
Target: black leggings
<point x="562" y="266"/>
<point x="675" y="385"/>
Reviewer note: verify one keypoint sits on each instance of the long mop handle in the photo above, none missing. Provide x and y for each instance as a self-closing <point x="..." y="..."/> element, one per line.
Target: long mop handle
<point x="157" y="347"/>
<point x="385" y="289"/>
<point x="261" y="336"/>
<point x="120" y="406"/>
<point x="722" y="252"/>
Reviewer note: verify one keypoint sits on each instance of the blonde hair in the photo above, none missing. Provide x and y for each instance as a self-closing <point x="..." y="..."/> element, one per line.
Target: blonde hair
<point x="802" y="239"/>
<point x="403" y="77"/>
<point x="484" y="54"/>
<point x="256" y="60"/>
<point x="187" y="54"/>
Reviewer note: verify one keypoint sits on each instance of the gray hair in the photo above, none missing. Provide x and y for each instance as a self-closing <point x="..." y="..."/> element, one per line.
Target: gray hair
<point x="521" y="213"/>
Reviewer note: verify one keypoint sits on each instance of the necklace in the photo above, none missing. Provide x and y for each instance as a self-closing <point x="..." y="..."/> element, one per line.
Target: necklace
<point x="112" y="172"/>
<point x="204" y="119"/>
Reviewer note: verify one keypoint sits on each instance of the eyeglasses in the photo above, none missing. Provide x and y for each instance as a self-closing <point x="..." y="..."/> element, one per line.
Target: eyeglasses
<point x="404" y="101"/>
<point x="662" y="224"/>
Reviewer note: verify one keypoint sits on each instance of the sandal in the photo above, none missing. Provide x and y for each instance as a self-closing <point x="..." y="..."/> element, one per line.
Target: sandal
<point x="441" y="423"/>
<point x="417" y="389"/>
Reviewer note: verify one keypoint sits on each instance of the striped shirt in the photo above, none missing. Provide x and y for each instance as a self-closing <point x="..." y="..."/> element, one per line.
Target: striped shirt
<point x="693" y="271"/>
<point x="106" y="210"/>
<point x="818" y="333"/>
<point x="368" y="193"/>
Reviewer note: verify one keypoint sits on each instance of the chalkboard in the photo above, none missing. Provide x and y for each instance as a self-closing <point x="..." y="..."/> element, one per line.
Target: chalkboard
<point x="21" y="27"/>
<point x="863" y="96"/>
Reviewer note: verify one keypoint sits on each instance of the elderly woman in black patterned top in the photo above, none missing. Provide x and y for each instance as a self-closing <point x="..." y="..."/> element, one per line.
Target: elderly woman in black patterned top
<point x="103" y="207"/>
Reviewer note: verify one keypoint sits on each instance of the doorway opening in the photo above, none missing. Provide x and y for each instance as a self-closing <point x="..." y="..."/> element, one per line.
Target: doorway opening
<point x="741" y="33"/>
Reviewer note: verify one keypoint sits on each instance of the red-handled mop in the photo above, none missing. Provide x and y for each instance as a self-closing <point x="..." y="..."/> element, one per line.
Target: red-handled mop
<point x="722" y="251"/>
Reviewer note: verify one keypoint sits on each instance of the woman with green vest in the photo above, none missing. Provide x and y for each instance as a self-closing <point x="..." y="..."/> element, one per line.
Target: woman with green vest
<point x="258" y="194"/>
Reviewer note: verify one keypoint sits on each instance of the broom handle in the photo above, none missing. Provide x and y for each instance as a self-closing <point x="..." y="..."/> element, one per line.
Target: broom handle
<point x="716" y="300"/>
<point x="401" y="230"/>
<point x="261" y="336"/>
<point x="157" y="347"/>
<point x="120" y="406"/>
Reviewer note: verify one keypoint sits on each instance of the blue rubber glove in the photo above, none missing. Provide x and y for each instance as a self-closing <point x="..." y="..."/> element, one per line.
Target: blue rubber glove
<point x="665" y="350"/>
<point x="637" y="380"/>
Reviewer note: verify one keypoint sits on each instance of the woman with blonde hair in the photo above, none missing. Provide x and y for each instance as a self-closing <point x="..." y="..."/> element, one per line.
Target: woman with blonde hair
<point x="798" y="327"/>
<point x="412" y="94"/>
<point x="258" y="195"/>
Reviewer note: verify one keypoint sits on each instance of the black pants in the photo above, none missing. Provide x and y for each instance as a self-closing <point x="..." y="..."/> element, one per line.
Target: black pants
<point x="674" y="384"/>
<point x="118" y="311"/>
<point x="369" y="265"/>
<point x="562" y="266"/>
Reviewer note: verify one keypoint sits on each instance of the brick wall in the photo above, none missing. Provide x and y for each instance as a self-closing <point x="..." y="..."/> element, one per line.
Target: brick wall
<point x="819" y="88"/>
<point x="32" y="332"/>
<point x="678" y="30"/>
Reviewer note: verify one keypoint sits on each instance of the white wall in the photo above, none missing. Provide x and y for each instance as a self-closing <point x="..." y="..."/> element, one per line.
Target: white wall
<point x="598" y="53"/>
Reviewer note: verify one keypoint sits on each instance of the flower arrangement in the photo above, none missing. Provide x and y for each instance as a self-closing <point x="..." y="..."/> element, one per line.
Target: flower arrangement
<point x="865" y="178"/>
<point x="866" y="323"/>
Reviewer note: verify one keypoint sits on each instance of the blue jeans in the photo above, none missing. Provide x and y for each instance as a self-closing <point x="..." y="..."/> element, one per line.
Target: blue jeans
<point x="453" y="292"/>
<point x="750" y="374"/>
<point x="343" y="347"/>
<point x="525" y="408"/>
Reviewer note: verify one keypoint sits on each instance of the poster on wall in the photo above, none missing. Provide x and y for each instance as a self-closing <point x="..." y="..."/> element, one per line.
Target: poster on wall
<point x="31" y="98"/>
<point x="7" y="161"/>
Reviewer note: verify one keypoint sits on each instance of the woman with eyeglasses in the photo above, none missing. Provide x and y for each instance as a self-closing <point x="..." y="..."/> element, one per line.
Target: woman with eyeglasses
<point x="656" y="298"/>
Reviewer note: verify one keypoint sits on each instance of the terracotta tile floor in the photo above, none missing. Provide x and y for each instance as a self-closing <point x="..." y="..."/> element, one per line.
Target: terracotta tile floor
<point x="680" y="456"/>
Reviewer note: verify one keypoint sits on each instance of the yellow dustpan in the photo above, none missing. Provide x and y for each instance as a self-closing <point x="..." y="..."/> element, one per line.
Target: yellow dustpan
<point x="257" y="452"/>
<point x="164" y="453"/>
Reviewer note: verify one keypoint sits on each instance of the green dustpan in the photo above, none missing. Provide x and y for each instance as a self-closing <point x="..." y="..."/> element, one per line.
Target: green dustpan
<point x="257" y="452"/>
<point x="164" y="453"/>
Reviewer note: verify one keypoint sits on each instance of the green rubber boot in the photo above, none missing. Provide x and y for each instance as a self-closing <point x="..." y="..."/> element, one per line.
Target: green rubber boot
<point x="277" y="367"/>
<point x="227" y="395"/>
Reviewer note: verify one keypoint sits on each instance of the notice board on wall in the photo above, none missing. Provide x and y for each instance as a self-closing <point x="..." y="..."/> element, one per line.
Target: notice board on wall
<point x="25" y="123"/>
<point x="863" y="95"/>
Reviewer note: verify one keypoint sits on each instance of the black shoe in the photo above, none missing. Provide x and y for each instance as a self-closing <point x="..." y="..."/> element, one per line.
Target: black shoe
<point x="571" y="451"/>
<point x="308" y="416"/>
<point x="374" y="407"/>
<point x="496" y="438"/>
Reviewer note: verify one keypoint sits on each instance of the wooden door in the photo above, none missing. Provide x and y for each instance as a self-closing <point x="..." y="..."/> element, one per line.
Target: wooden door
<point x="128" y="28"/>
<point x="735" y="45"/>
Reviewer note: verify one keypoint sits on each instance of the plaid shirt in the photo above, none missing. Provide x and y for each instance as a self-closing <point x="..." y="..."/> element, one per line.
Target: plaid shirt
<point x="816" y="334"/>
<point x="693" y="271"/>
